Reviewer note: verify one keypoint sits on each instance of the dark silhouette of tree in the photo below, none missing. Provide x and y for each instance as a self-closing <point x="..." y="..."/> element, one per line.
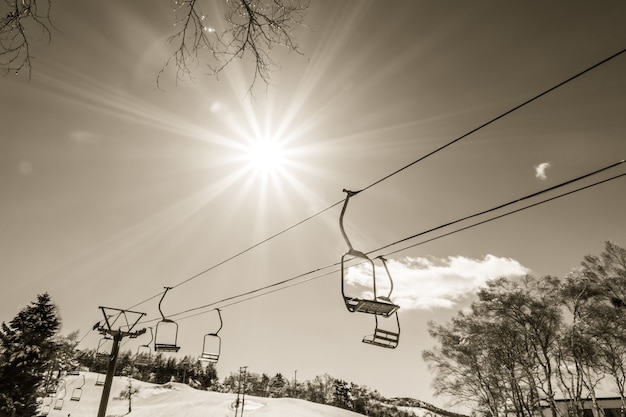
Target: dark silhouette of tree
<point x="248" y="28"/>
<point x="27" y="351"/>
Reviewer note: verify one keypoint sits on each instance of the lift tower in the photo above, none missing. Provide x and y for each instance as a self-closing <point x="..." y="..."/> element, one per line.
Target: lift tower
<point x="117" y="324"/>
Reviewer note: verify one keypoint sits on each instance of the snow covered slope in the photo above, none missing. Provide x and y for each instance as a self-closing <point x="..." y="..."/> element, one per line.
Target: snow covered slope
<point x="174" y="399"/>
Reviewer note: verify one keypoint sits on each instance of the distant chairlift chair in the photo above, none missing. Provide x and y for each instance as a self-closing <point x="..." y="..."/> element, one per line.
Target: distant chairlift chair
<point x="212" y="344"/>
<point x="102" y="354"/>
<point x="172" y="328"/>
<point x="142" y="357"/>
<point x="378" y="305"/>
<point x="58" y="403"/>
<point x="100" y="379"/>
<point x="77" y="392"/>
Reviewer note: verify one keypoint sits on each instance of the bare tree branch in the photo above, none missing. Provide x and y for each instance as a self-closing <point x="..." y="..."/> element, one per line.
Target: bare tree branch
<point x="20" y="22"/>
<point x="255" y="27"/>
<point x="252" y="28"/>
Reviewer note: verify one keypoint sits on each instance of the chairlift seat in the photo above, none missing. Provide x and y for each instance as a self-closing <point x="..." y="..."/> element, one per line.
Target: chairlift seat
<point x="141" y="362"/>
<point x="76" y="394"/>
<point x="166" y="347"/>
<point x="209" y="357"/>
<point x="379" y="307"/>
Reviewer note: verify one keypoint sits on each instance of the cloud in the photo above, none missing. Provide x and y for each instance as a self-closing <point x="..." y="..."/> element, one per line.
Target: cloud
<point x="426" y="283"/>
<point x="25" y="168"/>
<point x="540" y="170"/>
<point x="82" y="137"/>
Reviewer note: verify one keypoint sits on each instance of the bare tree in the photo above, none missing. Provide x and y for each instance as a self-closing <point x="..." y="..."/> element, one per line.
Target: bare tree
<point x="248" y="28"/>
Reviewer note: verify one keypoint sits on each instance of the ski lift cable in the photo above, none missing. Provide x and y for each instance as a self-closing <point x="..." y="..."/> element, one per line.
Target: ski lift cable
<point x="506" y="214"/>
<point x="278" y="286"/>
<point x="293" y="284"/>
<point x="545" y="190"/>
<point x="502" y="115"/>
<point x="463" y="136"/>
<point x="240" y="253"/>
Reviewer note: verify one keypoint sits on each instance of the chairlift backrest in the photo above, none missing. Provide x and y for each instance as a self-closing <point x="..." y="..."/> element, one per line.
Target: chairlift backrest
<point x="167" y="343"/>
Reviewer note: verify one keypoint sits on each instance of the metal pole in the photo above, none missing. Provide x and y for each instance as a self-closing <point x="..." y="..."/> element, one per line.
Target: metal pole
<point x="243" y="398"/>
<point x="238" y="392"/>
<point x="106" y="391"/>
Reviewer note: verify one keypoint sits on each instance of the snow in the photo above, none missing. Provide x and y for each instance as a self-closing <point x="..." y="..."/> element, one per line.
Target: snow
<point x="175" y="399"/>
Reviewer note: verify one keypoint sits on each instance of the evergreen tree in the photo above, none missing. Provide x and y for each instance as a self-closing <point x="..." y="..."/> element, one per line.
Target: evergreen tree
<point x="26" y="353"/>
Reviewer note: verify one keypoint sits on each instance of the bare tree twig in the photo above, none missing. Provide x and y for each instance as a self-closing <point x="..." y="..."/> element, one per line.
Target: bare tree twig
<point x="20" y="22"/>
<point x="255" y="27"/>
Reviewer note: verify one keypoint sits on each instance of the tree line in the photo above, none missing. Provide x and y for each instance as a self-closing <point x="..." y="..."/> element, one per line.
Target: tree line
<point x="34" y="358"/>
<point x="526" y="342"/>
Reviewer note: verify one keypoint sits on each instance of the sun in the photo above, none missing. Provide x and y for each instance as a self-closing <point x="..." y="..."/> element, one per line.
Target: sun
<point x="266" y="156"/>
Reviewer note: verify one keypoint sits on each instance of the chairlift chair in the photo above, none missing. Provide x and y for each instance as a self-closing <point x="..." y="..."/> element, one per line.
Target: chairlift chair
<point x="377" y="305"/>
<point x="170" y="344"/>
<point x="58" y="404"/>
<point x="101" y="353"/>
<point x="212" y="344"/>
<point x="142" y="357"/>
<point x="77" y="392"/>
<point x="100" y="378"/>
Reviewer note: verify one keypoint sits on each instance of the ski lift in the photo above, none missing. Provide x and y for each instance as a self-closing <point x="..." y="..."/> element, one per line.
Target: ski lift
<point x="78" y="391"/>
<point x="102" y="354"/>
<point x="377" y="305"/>
<point x="142" y="357"/>
<point x="212" y="344"/>
<point x="100" y="378"/>
<point x="172" y="328"/>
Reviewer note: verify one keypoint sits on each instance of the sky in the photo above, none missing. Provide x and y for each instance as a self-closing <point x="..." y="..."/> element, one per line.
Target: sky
<point x="112" y="188"/>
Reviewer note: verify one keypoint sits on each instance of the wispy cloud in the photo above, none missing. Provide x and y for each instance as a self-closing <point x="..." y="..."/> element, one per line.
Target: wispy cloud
<point x="540" y="170"/>
<point x="83" y="137"/>
<point x="426" y="283"/>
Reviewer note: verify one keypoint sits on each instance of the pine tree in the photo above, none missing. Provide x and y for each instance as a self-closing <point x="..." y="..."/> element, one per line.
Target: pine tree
<point x="26" y="353"/>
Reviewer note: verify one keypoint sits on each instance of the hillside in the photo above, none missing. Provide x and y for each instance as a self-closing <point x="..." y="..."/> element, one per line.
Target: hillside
<point x="175" y="399"/>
